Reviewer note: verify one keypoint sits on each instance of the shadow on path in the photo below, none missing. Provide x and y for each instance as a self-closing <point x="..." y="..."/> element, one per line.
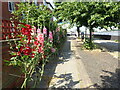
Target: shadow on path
<point x="65" y="78"/>
<point x="110" y="80"/>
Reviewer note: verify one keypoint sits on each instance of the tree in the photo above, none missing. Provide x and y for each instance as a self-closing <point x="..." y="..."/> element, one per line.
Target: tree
<point x="90" y="14"/>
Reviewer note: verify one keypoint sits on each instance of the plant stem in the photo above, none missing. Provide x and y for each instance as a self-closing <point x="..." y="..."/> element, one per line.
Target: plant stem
<point x="24" y="85"/>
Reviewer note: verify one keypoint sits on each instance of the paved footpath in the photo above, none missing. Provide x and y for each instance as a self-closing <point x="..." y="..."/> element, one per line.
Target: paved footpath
<point x="62" y="72"/>
<point x="71" y="72"/>
<point x="76" y="68"/>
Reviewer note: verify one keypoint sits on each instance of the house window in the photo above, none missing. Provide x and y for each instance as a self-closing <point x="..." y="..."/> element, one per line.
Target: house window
<point x="10" y="6"/>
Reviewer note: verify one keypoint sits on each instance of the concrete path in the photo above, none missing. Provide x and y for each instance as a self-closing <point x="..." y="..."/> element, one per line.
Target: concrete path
<point x="71" y="73"/>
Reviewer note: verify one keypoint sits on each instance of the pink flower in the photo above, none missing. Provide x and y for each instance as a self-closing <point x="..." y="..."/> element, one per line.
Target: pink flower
<point x="40" y="50"/>
<point x="53" y="50"/>
<point x="40" y="41"/>
<point x="44" y="31"/>
<point x="40" y="38"/>
<point x="38" y="31"/>
<point x="50" y="36"/>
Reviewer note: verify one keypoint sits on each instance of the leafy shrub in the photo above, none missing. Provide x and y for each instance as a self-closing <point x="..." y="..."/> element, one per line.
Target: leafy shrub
<point x="89" y="45"/>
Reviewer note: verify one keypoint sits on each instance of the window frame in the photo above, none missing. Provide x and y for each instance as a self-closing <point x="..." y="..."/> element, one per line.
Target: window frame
<point x="11" y="7"/>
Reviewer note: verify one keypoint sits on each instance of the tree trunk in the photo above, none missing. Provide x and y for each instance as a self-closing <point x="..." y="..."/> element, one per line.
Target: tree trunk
<point x="78" y="30"/>
<point x="111" y="28"/>
<point x="90" y="35"/>
<point x="86" y="33"/>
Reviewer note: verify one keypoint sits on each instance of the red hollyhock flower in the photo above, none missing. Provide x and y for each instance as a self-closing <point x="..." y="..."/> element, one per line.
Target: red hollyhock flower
<point x="27" y="50"/>
<point x="28" y="26"/>
<point x="21" y="48"/>
<point x="33" y="55"/>
<point x="44" y="56"/>
<point x="18" y="53"/>
<point x="27" y="30"/>
<point x="36" y="43"/>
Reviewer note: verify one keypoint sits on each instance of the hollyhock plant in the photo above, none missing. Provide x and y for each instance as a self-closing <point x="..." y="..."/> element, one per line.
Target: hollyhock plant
<point x="38" y="31"/>
<point x="27" y="50"/>
<point x="44" y="31"/>
<point x="53" y="50"/>
<point x="33" y="46"/>
<point x="40" y="49"/>
<point x="50" y="36"/>
<point x="27" y="30"/>
<point x="33" y="30"/>
<point x="40" y="38"/>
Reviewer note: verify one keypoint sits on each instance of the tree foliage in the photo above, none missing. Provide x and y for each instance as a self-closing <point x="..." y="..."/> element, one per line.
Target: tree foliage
<point x="34" y="15"/>
<point x="89" y="14"/>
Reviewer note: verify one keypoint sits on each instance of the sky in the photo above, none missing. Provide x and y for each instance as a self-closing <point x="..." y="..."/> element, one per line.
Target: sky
<point x="51" y="1"/>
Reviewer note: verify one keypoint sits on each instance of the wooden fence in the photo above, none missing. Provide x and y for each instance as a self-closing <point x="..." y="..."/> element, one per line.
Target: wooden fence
<point x="9" y="28"/>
